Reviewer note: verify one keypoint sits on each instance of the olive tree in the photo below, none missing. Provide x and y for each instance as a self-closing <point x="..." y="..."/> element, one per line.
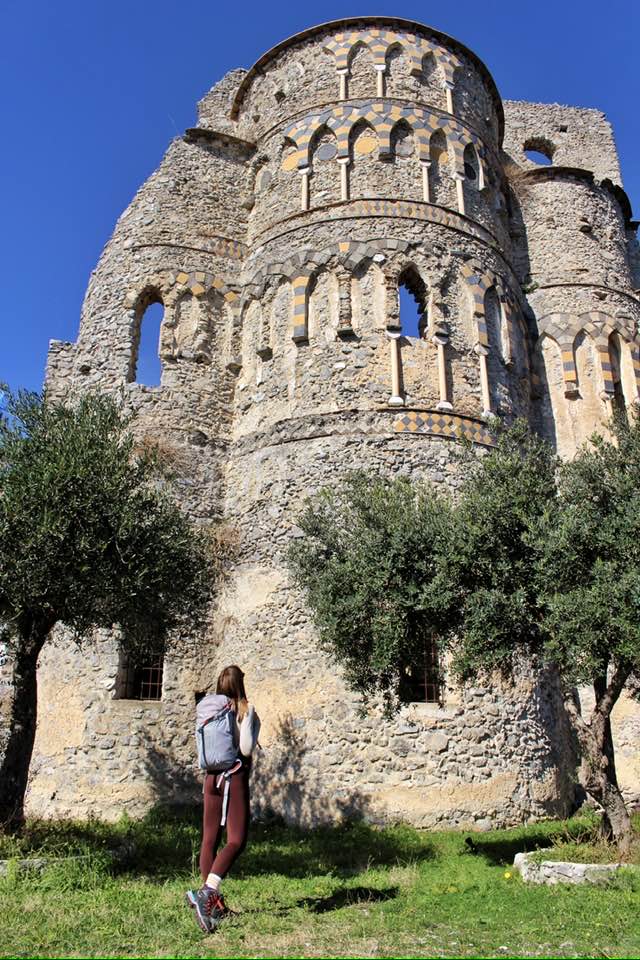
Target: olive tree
<point x="89" y="537"/>
<point x="536" y="562"/>
<point x="367" y="562"/>
<point x="590" y="580"/>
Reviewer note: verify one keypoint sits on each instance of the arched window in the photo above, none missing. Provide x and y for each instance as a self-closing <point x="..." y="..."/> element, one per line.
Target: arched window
<point x="441" y="186"/>
<point x="145" y="366"/>
<point x="402" y="141"/>
<point x="412" y="295"/>
<point x="472" y="166"/>
<point x="615" y="356"/>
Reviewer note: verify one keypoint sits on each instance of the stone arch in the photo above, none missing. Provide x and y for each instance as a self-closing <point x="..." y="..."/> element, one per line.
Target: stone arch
<point x="325" y="176"/>
<point x="403" y="136"/>
<point x="472" y="167"/>
<point x="622" y="374"/>
<point x="556" y="425"/>
<point x="588" y="409"/>
<point x="499" y="348"/>
<point x="363" y="149"/>
<point x="139" y="302"/>
<point x="409" y="276"/>
<point x="397" y="70"/>
<point x="322" y="303"/>
<point x="441" y="185"/>
<point x="361" y="70"/>
<point x="252" y="337"/>
<point x="367" y="293"/>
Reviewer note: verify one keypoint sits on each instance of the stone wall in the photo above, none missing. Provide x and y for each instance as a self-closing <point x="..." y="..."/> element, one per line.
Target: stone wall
<point x="350" y="160"/>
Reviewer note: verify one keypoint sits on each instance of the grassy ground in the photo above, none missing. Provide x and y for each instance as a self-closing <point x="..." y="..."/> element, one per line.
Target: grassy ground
<point x="350" y="891"/>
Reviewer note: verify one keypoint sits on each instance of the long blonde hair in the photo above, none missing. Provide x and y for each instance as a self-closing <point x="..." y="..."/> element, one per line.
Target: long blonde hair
<point x="231" y="684"/>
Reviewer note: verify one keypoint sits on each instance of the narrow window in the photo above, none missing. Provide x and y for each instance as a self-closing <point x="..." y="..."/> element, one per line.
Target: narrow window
<point x="145" y="360"/>
<point x="619" y="405"/>
<point x="421" y="680"/>
<point x="412" y="297"/>
<point x="472" y="165"/>
<point x="140" y="678"/>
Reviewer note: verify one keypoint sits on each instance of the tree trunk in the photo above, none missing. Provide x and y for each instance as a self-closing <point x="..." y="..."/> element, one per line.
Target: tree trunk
<point x="600" y="780"/>
<point x="21" y="723"/>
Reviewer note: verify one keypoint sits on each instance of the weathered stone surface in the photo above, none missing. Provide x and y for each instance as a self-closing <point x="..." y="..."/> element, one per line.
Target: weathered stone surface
<point x="275" y="234"/>
<point x="558" y="871"/>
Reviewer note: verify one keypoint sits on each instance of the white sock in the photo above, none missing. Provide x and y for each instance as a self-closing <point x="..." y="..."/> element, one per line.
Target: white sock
<point x="214" y="881"/>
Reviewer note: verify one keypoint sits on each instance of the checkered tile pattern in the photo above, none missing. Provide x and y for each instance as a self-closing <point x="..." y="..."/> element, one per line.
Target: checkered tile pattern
<point x="443" y="425"/>
<point x="382" y="116"/>
<point x="380" y="42"/>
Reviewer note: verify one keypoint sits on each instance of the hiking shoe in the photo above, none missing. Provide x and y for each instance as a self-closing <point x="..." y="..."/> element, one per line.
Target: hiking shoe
<point x="209" y="907"/>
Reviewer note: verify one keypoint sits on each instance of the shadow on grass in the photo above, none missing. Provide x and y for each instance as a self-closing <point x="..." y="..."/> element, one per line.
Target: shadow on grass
<point x="166" y="842"/>
<point x="504" y="849"/>
<point x="348" y="898"/>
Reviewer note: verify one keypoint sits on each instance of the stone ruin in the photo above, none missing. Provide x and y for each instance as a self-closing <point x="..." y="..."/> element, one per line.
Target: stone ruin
<point x="354" y="160"/>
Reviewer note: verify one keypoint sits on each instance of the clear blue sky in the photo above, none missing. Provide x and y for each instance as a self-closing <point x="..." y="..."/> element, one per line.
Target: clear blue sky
<point x="92" y="91"/>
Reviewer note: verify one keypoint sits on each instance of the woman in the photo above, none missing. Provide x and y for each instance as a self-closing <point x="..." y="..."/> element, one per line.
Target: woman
<point x="226" y="800"/>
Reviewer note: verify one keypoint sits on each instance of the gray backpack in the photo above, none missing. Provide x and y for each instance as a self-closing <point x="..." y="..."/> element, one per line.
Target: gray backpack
<point x="217" y="737"/>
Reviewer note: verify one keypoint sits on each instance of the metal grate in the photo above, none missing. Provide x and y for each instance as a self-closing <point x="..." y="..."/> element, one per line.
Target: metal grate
<point x="140" y="679"/>
<point x="421" y="681"/>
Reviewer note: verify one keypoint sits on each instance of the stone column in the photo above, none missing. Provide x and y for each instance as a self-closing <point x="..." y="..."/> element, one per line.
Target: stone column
<point x="426" y="187"/>
<point x="449" y="93"/>
<point x="344" y="304"/>
<point x="344" y="177"/>
<point x="441" y="340"/>
<point x="305" y="188"/>
<point x="380" y="69"/>
<point x="395" y="400"/>
<point x="485" y="393"/>
<point x="343" y="74"/>
<point x="460" y="191"/>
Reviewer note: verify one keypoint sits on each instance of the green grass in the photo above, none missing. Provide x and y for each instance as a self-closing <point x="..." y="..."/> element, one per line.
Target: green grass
<point x="352" y="891"/>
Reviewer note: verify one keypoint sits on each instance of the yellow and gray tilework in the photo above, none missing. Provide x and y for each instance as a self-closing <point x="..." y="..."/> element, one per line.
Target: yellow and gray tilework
<point x="381" y="42"/>
<point x="382" y="116"/>
<point x="450" y="425"/>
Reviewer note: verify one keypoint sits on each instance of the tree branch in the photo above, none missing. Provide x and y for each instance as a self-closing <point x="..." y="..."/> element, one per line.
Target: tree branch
<point x="606" y="703"/>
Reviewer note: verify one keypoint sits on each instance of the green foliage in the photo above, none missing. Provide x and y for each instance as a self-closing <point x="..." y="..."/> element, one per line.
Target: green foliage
<point x="387" y="564"/>
<point x="88" y="534"/>
<point x="590" y="569"/>
<point x="368" y="564"/>
<point x="493" y="547"/>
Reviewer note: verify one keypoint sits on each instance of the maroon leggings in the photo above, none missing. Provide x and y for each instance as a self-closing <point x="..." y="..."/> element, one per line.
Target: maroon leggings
<point x="237" y="823"/>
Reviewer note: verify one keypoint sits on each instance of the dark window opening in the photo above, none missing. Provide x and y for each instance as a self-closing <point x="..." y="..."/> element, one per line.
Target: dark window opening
<point x="421" y="681"/>
<point x="412" y="295"/>
<point x="618" y="401"/>
<point x="145" y="361"/>
<point x="471" y="164"/>
<point x="140" y="678"/>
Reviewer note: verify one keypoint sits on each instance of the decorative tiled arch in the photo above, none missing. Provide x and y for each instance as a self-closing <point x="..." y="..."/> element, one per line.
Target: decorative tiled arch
<point x="171" y="286"/>
<point x="300" y="269"/>
<point x="380" y="42"/>
<point x="383" y="116"/>
<point x="564" y="328"/>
